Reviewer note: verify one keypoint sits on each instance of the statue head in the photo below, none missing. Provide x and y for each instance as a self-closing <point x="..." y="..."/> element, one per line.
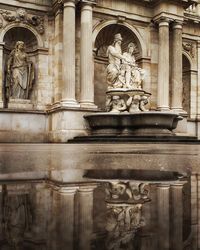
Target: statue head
<point x="117" y="38"/>
<point x="20" y="45"/>
<point x="131" y="47"/>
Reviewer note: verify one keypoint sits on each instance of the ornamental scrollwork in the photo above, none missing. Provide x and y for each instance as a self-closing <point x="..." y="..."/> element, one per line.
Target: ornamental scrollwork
<point x="21" y="16"/>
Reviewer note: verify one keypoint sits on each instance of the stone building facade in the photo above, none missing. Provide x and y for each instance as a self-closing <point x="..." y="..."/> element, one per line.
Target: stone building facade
<point x="60" y="195"/>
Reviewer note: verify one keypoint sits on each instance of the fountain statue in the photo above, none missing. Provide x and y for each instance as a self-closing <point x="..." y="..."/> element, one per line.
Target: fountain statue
<point x="128" y="116"/>
<point x="124" y="79"/>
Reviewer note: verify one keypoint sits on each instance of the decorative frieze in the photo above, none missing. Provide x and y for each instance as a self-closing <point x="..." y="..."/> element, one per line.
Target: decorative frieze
<point x="22" y="16"/>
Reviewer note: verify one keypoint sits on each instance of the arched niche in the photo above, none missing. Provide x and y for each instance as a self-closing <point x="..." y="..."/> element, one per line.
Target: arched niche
<point x="186" y="83"/>
<point x="103" y="37"/>
<point x="10" y="38"/>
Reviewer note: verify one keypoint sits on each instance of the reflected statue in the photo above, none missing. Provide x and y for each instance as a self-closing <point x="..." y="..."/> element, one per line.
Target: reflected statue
<point x="20" y="73"/>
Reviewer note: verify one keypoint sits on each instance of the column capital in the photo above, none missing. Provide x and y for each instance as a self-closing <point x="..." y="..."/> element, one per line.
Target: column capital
<point x="177" y="24"/>
<point x="163" y="21"/>
<point x="89" y="2"/>
<point x="87" y="188"/>
<point x="164" y="185"/>
<point x="65" y="190"/>
<point x="178" y="185"/>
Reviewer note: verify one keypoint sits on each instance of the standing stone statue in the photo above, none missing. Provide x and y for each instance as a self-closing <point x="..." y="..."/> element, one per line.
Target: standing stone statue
<point x="20" y="73"/>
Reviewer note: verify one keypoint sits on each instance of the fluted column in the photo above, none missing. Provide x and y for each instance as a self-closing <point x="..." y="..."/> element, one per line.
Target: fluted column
<point x="177" y="216"/>
<point x="87" y="62"/>
<point x="163" y="66"/>
<point x="68" y="90"/>
<point x="177" y="84"/>
<point x="85" y="216"/>
<point x="1" y="74"/>
<point x="163" y="216"/>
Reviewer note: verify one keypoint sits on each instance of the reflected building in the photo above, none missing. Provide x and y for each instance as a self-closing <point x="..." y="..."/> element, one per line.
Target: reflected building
<point x="86" y="160"/>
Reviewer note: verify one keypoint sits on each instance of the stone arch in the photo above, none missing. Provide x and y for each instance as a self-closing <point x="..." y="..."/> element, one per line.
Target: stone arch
<point x="103" y="35"/>
<point x="25" y="26"/>
<point x="136" y="34"/>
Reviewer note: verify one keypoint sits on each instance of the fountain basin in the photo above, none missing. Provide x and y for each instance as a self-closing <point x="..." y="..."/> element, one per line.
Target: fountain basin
<point x="137" y="124"/>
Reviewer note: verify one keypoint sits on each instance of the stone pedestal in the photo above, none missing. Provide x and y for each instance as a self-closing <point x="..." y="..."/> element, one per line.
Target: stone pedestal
<point x="163" y="216"/>
<point x="20" y="104"/>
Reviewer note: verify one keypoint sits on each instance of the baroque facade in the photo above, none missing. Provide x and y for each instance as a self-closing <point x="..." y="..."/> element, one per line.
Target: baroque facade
<point x="57" y="192"/>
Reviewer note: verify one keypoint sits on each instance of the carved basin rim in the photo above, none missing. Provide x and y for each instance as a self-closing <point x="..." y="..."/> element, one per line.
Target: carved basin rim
<point x="133" y="121"/>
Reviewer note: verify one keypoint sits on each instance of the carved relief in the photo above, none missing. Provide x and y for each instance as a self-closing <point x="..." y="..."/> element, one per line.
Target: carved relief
<point x="22" y="16"/>
<point x="189" y="48"/>
<point x="130" y="191"/>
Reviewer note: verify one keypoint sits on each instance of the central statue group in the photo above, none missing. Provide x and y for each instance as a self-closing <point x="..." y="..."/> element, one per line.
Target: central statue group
<point x="122" y="71"/>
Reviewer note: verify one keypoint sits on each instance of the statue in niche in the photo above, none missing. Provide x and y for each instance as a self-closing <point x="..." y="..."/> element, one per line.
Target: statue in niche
<point x="133" y="74"/>
<point x="114" y="53"/>
<point x="122" y="71"/>
<point x="20" y="73"/>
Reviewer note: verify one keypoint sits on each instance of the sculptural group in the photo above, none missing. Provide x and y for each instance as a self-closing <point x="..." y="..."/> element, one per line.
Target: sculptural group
<point x="124" y="79"/>
<point x="122" y="71"/>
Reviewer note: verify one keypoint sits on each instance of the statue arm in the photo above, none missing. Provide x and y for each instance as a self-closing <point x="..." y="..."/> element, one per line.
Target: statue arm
<point x="10" y="61"/>
<point x="114" y="53"/>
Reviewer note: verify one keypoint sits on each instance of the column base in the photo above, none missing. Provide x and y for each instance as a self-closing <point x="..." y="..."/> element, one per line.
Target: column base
<point x="179" y="111"/>
<point x="167" y="109"/>
<point x="89" y="105"/>
<point x="69" y="103"/>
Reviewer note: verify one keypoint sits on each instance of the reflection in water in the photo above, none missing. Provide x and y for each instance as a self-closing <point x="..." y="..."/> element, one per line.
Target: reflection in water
<point x="124" y="212"/>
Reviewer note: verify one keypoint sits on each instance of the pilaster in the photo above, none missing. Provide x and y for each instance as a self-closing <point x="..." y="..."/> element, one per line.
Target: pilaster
<point x="1" y="74"/>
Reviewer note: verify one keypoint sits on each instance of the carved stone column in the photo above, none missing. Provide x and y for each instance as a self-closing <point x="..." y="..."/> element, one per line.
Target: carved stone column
<point x="163" y="65"/>
<point x="85" y="196"/>
<point x="58" y="55"/>
<point x="1" y="74"/>
<point x="177" y="84"/>
<point x="163" y="216"/>
<point x="87" y="63"/>
<point x="177" y="216"/>
<point x="68" y="90"/>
